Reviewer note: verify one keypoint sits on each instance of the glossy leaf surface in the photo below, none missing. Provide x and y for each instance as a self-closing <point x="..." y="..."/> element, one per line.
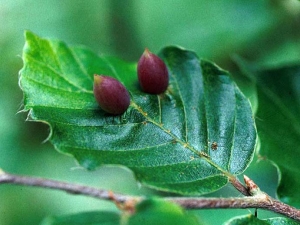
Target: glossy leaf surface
<point x="281" y="220"/>
<point x="188" y="140"/>
<point x="246" y="220"/>
<point x="155" y="211"/>
<point x="252" y="220"/>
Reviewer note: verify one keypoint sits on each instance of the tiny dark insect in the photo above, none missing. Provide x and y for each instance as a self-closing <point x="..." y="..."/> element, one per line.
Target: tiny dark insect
<point x="214" y="145"/>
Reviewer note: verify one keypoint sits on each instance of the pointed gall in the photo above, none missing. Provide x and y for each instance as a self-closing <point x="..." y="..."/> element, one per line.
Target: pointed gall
<point x="152" y="73"/>
<point x="111" y="95"/>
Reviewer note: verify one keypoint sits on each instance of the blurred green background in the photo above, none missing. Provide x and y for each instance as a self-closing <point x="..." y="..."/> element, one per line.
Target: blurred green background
<point x="266" y="32"/>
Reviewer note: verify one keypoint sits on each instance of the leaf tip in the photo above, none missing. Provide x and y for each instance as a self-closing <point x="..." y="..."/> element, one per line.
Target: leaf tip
<point x="28" y="34"/>
<point x="209" y="67"/>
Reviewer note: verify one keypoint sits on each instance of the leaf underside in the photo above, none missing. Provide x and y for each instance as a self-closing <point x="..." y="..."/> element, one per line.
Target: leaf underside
<point x="278" y="122"/>
<point x="279" y="126"/>
<point x="188" y="140"/>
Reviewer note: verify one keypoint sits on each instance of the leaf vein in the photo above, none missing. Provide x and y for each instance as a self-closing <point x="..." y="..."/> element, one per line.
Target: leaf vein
<point x="206" y="100"/>
<point x="33" y="60"/>
<point x="159" y="108"/>
<point x="184" y="109"/>
<point x="56" y="88"/>
<point x="59" y="65"/>
<point x="234" y="131"/>
<point x="96" y="126"/>
<point x="77" y="59"/>
<point x="132" y="150"/>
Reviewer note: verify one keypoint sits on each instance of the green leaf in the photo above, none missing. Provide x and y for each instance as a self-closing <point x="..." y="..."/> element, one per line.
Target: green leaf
<point x="155" y="211"/>
<point x="246" y="220"/>
<point x="252" y="220"/>
<point x="165" y="140"/>
<point x="278" y="124"/>
<point x="281" y="220"/>
<point x="86" y="218"/>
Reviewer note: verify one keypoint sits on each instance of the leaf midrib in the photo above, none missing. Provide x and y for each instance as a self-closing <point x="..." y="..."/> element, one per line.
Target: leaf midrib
<point x="184" y="144"/>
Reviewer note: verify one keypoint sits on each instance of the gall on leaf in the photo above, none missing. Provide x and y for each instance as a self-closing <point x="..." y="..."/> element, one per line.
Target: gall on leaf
<point x="152" y="73"/>
<point x="111" y="95"/>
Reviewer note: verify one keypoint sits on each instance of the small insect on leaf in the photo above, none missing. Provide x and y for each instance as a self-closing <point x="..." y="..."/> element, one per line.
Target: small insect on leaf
<point x="214" y="145"/>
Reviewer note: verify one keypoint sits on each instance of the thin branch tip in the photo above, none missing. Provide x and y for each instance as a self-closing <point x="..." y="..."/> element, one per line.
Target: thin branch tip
<point x="239" y="186"/>
<point x="252" y="187"/>
<point x="128" y="203"/>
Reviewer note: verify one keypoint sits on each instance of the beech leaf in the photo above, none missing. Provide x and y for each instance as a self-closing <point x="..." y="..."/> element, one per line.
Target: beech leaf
<point x="252" y="220"/>
<point x="188" y="140"/>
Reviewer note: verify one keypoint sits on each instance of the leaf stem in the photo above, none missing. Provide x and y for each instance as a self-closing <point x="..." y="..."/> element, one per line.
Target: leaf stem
<point x="258" y="199"/>
<point x="239" y="186"/>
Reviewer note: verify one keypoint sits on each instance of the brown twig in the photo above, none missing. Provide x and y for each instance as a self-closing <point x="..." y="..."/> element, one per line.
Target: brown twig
<point x="239" y="186"/>
<point x="64" y="186"/>
<point x="241" y="203"/>
<point x="258" y="199"/>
